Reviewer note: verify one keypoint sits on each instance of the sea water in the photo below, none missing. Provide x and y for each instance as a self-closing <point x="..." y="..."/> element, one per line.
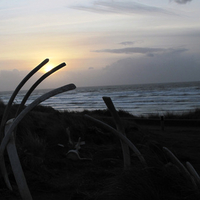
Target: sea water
<point x="138" y="100"/>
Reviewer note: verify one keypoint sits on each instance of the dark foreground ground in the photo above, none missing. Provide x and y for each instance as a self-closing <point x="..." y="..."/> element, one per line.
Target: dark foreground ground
<point x="42" y="145"/>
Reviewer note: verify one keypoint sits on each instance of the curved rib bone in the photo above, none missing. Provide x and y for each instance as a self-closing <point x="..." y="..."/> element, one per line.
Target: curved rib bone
<point x="177" y="162"/>
<point x="28" y="109"/>
<point x="16" y="165"/>
<point x="193" y="172"/>
<point x="8" y="107"/>
<point x="5" y="116"/>
<point x="120" y="128"/>
<point x="121" y="136"/>
<point x="2" y="165"/>
<point x="74" y="154"/>
<point x="36" y="84"/>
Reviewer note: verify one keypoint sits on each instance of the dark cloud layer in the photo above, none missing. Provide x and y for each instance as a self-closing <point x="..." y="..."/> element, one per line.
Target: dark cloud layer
<point x="128" y="43"/>
<point x="166" y="67"/>
<point x="9" y="79"/>
<point x="182" y="1"/>
<point x="141" y="50"/>
<point x="120" y="7"/>
<point x="171" y="66"/>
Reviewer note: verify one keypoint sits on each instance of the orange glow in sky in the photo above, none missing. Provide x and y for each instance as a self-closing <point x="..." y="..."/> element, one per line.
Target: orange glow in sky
<point x="47" y="68"/>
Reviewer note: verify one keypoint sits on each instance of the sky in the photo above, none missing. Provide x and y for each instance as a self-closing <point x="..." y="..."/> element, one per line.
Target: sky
<point x="102" y="42"/>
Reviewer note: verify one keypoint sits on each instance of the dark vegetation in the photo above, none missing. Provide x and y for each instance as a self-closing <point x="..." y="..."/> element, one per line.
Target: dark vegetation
<point x="193" y="114"/>
<point x="42" y="144"/>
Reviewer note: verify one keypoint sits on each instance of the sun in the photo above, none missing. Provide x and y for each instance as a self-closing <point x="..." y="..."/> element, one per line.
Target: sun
<point x="47" y="68"/>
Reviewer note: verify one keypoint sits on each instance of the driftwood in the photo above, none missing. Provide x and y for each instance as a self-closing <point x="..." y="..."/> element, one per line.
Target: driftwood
<point x="8" y="141"/>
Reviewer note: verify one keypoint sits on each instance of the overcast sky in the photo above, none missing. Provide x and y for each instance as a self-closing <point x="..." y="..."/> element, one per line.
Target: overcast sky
<point x="103" y="42"/>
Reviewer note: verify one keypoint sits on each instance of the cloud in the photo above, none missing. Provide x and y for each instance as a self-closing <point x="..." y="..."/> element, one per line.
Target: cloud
<point x="141" y="50"/>
<point x="128" y="43"/>
<point x="9" y="79"/>
<point x="170" y="66"/>
<point x="120" y="7"/>
<point x="167" y="67"/>
<point x="175" y="65"/>
<point x="182" y="1"/>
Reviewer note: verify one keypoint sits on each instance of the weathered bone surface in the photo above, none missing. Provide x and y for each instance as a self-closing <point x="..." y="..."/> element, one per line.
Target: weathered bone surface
<point x="194" y="173"/>
<point x="71" y="143"/>
<point x="120" y="128"/>
<point x="28" y="109"/>
<point x="8" y="107"/>
<point x="120" y="135"/>
<point x="73" y="154"/>
<point x="8" y="141"/>
<point x="5" y="117"/>
<point x="182" y="168"/>
<point x="16" y="165"/>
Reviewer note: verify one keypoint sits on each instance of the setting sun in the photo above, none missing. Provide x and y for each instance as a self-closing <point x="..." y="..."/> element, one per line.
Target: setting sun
<point x="48" y="68"/>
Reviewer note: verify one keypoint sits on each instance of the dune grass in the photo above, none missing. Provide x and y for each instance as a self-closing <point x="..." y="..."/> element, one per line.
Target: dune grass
<point x="42" y="145"/>
<point x="191" y="114"/>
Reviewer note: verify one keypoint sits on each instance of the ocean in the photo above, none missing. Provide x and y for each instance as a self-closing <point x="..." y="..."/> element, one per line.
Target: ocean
<point x="142" y="99"/>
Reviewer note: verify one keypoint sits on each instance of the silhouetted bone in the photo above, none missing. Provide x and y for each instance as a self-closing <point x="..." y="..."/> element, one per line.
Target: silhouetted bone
<point x="5" y="117"/>
<point x="193" y="172"/>
<point x="36" y="84"/>
<point x="28" y="109"/>
<point x="2" y="165"/>
<point x="28" y="94"/>
<point x="5" y="173"/>
<point x="8" y="140"/>
<point x="74" y="153"/>
<point x="16" y="165"/>
<point x="21" y="84"/>
<point x="120" y="135"/>
<point x="120" y="128"/>
<point x="182" y="168"/>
